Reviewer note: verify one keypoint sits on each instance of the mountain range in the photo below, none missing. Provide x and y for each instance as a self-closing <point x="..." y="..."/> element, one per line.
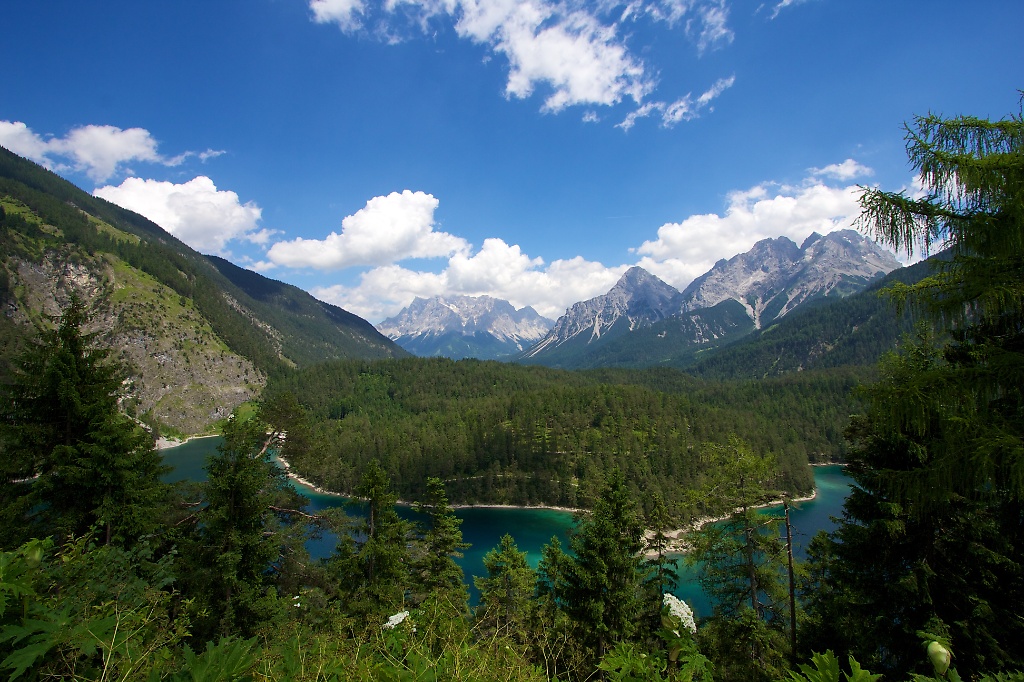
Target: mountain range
<point x="198" y="334"/>
<point x="201" y="335"/>
<point x="465" y="326"/>
<point x="643" y="320"/>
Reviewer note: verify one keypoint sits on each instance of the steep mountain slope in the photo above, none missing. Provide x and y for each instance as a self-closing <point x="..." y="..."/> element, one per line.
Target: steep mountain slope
<point x="465" y="327"/>
<point x="637" y="300"/>
<point x="732" y="299"/>
<point x="200" y="334"/>
<point x="776" y="275"/>
<point x="830" y="333"/>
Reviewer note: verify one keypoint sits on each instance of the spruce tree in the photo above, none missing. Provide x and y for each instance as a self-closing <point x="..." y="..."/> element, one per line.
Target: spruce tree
<point x="741" y="559"/>
<point x="506" y="592"/>
<point x="932" y="535"/>
<point x="602" y="584"/>
<point x="442" y="544"/>
<point x="380" y="557"/>
<point x="90" y="466"/>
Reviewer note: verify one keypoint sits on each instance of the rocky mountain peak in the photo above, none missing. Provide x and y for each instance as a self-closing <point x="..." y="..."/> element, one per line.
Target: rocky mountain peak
<point x="464" y="326"/>
<point x="776" y="275"/>
<point x="637" y="300"/>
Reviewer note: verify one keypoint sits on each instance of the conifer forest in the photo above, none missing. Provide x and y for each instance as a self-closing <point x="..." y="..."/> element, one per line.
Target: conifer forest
<point x="107" y="572"/>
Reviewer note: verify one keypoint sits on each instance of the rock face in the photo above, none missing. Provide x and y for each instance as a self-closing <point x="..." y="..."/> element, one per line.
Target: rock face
<point x="465" y="326"/>
<point x="772" y="279"/>
<point x="197" y="335"/>
<point x="180" y="372"/>
<point x="637" y="300"/>
<point x="776" y="275"/>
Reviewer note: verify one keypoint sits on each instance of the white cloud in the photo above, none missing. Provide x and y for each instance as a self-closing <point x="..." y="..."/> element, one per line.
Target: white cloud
<point x="687" y="249"/>
<point x="580" y="59"/>
<point x="683" y="109"/>
<point x="680" y="252"/>
<point x="711" y="28"/>
<point x="783" y="5"/>
<point x="847" y="170"/>
<point x="345" y="13"/>
<point x="195" y="212"/>
<point x="99" y="151"/>
<point x="643" y="111"/>
<point x="687" y="109"/>
<point x="573" y="51"/>
<point x="497" y="269"/>
<point x="388" y="229"/>
<point x="19" y="138"/>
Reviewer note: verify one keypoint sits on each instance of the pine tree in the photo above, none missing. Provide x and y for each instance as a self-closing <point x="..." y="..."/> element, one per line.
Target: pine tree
<point x="93" y="467"/>
<point x="661" y="567"/>
<point x="380" y="557"/>
<point x="442" y="545"/>
<point x="245" y="530"/>
<point x="972" y="171"/>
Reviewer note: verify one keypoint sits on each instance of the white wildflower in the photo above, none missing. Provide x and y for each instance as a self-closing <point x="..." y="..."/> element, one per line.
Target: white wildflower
<point x="677" y="608"/>
<point x="396" y="620"/>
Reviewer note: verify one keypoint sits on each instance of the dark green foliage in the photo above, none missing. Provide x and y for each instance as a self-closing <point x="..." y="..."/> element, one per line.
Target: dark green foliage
<point x="506" y="592"/>
<point x="374" y="565"/>
<point x="92" y="466"/>
<point x="742" y="563"/>
<point x="243" y="536"/>
<point x="497" y="433"/>
<point x="932" y="537"/>
<point x="602" y="586"/>
<point x="946" y="558"/>
<point x="442" y="544"/>
<point x="661" y="567"/>
<point x="87" y="613"/>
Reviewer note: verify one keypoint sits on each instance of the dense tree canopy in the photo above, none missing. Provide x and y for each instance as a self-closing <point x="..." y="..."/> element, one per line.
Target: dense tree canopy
<point x="933" y="536"/>
<point x="72" y="461"/>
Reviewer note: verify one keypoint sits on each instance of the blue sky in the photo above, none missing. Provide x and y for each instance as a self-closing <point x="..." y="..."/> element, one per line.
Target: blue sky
<point x="371" y="152"/>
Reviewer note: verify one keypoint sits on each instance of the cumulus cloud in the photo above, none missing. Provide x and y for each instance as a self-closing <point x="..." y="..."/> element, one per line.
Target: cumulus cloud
<point x="195" y="212"/>
<point x="687" y="249"/>
<point x="576" y="52"/>
<point x="497" y="269"/>
<point x="847" y="170"/>
<point x="680" y="251"/>
<point x="101" y="151"/>
<point x="388" y="229"/>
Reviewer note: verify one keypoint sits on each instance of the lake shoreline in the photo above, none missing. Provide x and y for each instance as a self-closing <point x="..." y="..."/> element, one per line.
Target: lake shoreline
<point x="164" y="443"/>
<point x="677" y="543"/>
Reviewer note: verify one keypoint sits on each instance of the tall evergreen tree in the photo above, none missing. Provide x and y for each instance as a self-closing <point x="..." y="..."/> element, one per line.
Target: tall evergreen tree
<point x="378" y="570"/>
<point x="602" y="584"/>
<point x="506" y="592"/>
<point x="932" y="536"/>
<point x="442" y="545"/>
<point x="91" y="466"/>
<point x="741" y="560"/>
<point x="247" y="526"/>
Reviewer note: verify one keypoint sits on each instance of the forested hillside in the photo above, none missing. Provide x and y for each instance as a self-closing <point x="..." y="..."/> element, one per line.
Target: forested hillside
<point x="200" y="335"/>
<point x="850" y="332"/>
<point x="497" y="433"/>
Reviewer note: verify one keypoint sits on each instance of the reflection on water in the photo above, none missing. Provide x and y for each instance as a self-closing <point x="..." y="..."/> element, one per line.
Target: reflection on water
<point x="533" y="528"/>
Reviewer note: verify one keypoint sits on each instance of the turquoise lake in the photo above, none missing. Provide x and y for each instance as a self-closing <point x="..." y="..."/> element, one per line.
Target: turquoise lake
<point x="483" y="527"/>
